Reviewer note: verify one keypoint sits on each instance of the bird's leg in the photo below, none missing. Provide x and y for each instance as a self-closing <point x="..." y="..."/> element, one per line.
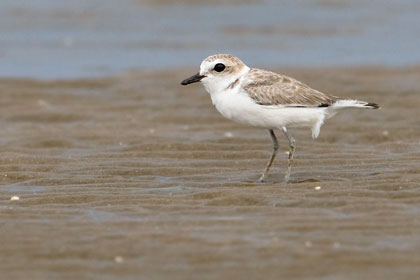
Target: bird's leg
<point x="275" y="149"/>
<point x="291" y="152"/>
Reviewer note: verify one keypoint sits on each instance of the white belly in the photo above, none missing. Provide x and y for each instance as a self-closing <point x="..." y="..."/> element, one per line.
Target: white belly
<point x="240" y="108"/>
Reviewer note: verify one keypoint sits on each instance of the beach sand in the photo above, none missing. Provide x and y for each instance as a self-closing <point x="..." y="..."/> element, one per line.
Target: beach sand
<point x="136" y="177"/>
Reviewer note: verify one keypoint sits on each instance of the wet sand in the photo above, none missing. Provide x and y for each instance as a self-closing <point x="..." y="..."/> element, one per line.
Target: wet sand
<point x="136" y="177"/>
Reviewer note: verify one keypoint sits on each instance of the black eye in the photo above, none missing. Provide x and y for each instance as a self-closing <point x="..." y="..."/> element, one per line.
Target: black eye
<point x="219" y="67"/>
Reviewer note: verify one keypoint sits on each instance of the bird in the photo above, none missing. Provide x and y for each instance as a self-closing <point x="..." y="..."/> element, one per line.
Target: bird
<point x="268" y="100"/>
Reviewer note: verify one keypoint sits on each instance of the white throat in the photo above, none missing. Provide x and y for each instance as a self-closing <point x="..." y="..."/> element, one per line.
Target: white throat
<point x="215" y="86"/>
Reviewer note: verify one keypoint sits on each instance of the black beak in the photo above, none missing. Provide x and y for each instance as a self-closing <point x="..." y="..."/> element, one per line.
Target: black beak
<point x="193" y="79"/>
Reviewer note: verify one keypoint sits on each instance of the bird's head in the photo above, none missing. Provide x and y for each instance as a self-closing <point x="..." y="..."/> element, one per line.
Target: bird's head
<point x="218" y="72"/>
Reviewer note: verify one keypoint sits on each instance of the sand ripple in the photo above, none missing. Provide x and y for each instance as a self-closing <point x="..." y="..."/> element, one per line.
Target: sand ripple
<point x="137" y="175"/>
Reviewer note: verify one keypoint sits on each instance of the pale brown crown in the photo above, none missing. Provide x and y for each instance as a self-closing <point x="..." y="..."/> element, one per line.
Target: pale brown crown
<point x="227" y="57"/>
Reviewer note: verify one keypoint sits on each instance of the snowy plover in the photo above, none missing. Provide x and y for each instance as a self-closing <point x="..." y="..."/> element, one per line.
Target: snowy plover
<point x="268" y="100"/>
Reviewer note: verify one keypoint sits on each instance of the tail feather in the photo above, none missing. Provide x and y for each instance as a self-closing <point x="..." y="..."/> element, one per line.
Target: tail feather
<point x="348" y="103"/>
<point x="372" y="105"/>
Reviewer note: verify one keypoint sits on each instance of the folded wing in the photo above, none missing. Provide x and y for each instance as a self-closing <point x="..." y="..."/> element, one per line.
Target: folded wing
<point x="272" y="89"/>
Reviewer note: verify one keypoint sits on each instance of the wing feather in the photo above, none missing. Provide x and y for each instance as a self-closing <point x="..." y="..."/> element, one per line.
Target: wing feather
<point x="269" y="88"/>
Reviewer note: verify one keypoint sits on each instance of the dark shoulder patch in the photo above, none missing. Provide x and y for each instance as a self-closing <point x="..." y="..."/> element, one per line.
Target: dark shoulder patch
<point x="232" y="85"/>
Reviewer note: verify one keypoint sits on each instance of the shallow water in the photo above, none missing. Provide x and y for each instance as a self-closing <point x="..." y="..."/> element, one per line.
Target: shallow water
<point x="51" y="39"/>
<point x="127" y="178"/>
